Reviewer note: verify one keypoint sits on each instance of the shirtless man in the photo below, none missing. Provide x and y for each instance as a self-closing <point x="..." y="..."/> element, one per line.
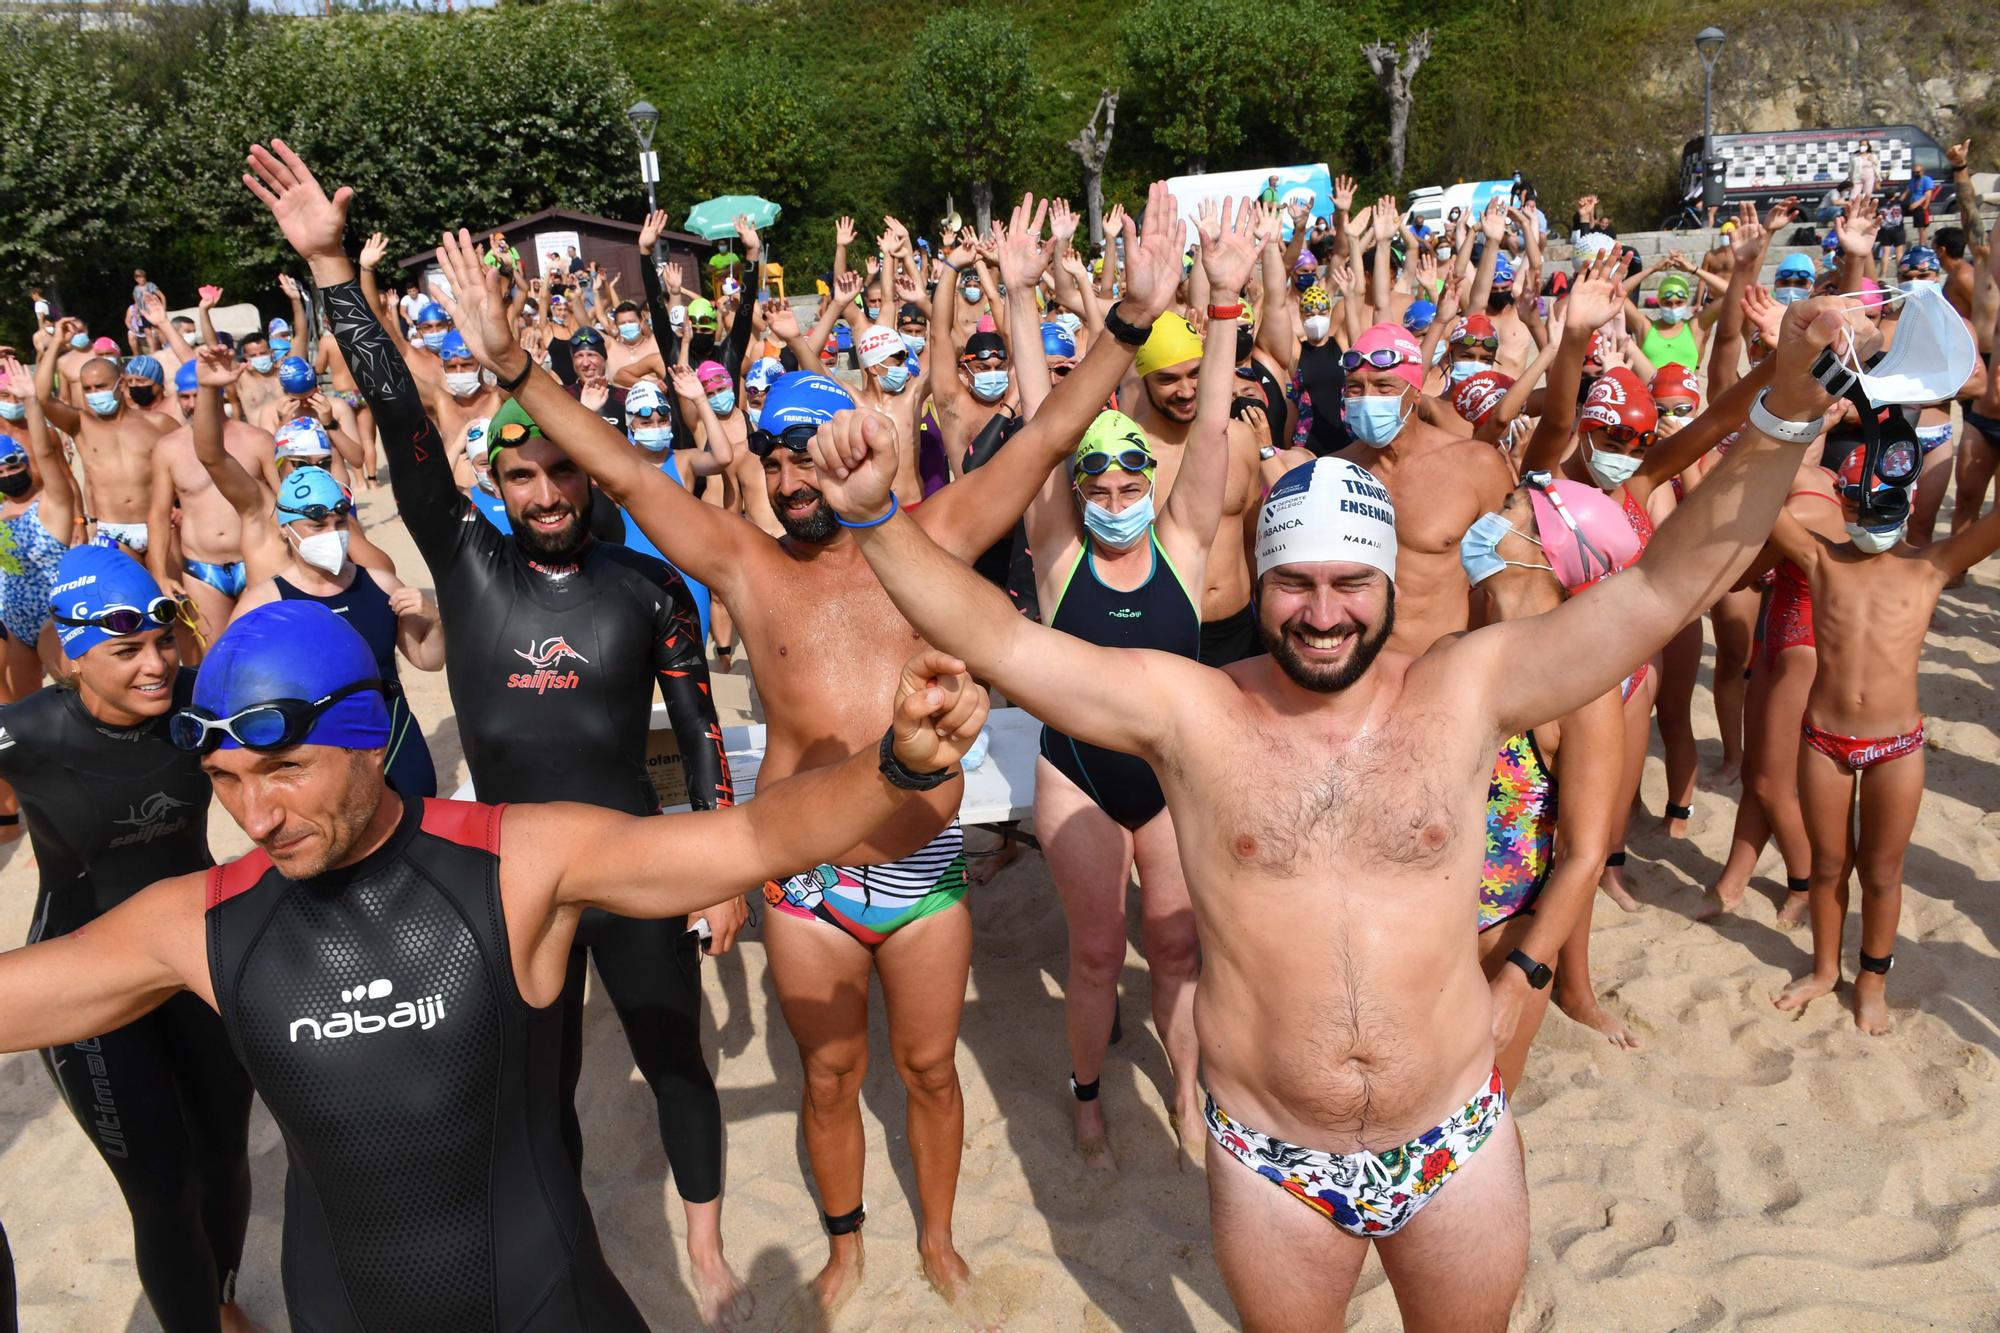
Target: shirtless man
<point x="114" y="443"/>
<point x="630" y="338"/>
<point x="1160" y="396"/>
<point x="259" y="386"/>
<point x="75" y="342"/>
<point x="1493" y="293"/>
<point x="824" y="642"/>
<point x="1343" y="1014"/>
<point x="885" y="388"/>
<point x="1440" y="483"/>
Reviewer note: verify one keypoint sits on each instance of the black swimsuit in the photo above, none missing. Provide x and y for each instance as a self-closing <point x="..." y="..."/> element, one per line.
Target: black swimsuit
<point x="1158" y="614"/>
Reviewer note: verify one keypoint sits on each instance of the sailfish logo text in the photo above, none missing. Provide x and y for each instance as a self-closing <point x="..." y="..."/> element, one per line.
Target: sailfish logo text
<point x="149" y="820"/>
<point x="546" y="657"/>
<point x="423" y="1015"/>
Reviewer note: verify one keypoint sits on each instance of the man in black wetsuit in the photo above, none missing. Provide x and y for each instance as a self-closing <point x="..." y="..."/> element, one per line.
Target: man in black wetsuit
<point x="390" y="972"/>
<point x="557" y="641"/>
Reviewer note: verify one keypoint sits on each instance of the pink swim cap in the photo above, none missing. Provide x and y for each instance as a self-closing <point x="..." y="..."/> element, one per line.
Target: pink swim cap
<point x="1396" y="338"/>
<point x="104" y="347"/>
<point x="1872" y="295"/>
<point x="1600" y="543"/>
<point x="711" y="373"/>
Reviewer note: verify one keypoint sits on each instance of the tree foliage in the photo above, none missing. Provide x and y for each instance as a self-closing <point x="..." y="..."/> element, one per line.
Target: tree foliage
<point x="966" y="88"/>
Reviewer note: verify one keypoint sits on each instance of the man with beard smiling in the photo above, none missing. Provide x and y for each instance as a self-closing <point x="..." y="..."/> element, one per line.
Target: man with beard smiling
<point x="558" y="641"/>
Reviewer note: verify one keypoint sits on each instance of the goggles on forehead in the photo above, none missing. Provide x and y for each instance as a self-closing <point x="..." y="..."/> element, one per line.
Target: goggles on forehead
<point x="764" y="443"/>
<point x="119" y="621"/>
<point x="275" y="724"/>
<point x="1382" y="358"/>
<point x="1097" y="461"/>
<point x="316" y="512"/>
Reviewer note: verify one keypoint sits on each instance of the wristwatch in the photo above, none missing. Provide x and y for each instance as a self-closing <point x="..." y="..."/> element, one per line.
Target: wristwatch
<point x="1268" y="452"/>
<point x="1129" y="334"/>
<point x="509" y="385"/>
<point x="1764" y="422"/>
<point x="907" y="779"/>
<point x="1538" y="973"/>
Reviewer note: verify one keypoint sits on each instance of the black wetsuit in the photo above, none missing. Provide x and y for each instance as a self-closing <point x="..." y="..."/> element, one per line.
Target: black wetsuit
<point x="552" y="671"/>
<point x="1324" y="381"/>
<point x="110" y="810"/>
<point x="8" y="1322"/>
<point x="427" y="1185"/>
<point x="366" y="607"/>
<point x="1160" y="614"/>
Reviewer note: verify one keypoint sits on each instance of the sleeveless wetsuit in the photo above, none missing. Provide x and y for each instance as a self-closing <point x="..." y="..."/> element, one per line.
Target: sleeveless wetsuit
<point x="366" y="607"/>
<point x="110" y="810"/>
<point x="1520" y="832"/>
<point x="28" y="560"/>
<point x="1158" y="614"/>
<point x="427" y="1185"/>
<point x="552" y="671"/>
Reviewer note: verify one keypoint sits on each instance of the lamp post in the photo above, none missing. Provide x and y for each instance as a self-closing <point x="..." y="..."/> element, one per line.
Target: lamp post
<point x="1708" y="44"/>
<point x="645" y="118"/>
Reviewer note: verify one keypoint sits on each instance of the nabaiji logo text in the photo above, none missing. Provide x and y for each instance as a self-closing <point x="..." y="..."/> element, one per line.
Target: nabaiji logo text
<point x="546" y="657"/>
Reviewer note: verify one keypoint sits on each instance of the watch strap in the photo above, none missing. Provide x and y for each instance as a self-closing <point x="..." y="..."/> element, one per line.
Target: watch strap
<point x="1828" y="369"/>
<point x="908" y="779"/>
<point x="1765" y="422"/>
<point x="1234" y="310"/>
<point x="1538" y="973"/>
<point x="509" y="385"/>
<point x="1125" y="332"/>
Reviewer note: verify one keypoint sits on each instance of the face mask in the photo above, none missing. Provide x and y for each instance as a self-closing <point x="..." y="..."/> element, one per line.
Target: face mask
<point x="722" y="401"/>
<point x="1461" y="371"/>
<point x="104" y="402"/>
<point x="913" y="341"/>
<point x="1499" y="301"/>
<point x="461" y="383"/>
<point x="970" y="293"/>
<point x="1790" y="295"/>
<point x="988" y="385"/>
<point x="629" y="332"/>
<point x="1071" y="323"/>
<point x="1610" y="470"/>
<point x="483" y="479"/>
<point x="656" y="438"/>
<point x="895" y="378"/>
<point x="80" y="341"/>
<point x="755" y="414"/>
<point x="1935" y="284"/>
<point x="325" y="550"/>
<point x="1121" y="530"/>
<point x="13" y="411"/>
<point x="1374" y="419"/>
<point x="1673" y="314"/>
<point x="1478" y="549"/>
<point x="1318" y="326"/>
<point x="1870" y="542"/>
<point x="874" y="312"/>
<point x="143" y="394"/>
<point x="280" y="346"/>
<point x="1932" y="357"/>
<point x="433" y="340"/>
<point x="192" y="337"/>
<point x="261" y="364"/>
<point x="17" y="485"/>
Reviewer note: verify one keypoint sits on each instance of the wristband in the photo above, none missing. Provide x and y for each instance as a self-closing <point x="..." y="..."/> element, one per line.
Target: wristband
<point x="1764" y="422"/>
<point x="1231" y="311"/>
<point x="508" y="386"/>
<point x="873" y="522"/>
<point x="908" y="779"/>
<point x="948" y="264"/>
<point x="1129" y="334"/>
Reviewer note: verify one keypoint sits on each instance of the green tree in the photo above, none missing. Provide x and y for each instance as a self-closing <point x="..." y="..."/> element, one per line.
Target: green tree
<point x="1187" y="59"/>
<point x="967" y="84"/>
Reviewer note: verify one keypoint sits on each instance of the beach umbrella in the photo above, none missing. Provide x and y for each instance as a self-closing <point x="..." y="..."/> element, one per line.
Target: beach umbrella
<point x="713" y="219"/>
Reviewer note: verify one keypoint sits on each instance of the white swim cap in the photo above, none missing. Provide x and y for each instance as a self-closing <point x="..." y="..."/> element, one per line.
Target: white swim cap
<point x="1327" y="510"/>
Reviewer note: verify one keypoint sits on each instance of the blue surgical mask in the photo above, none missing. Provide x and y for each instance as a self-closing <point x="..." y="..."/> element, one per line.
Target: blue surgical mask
<point x="989" y="385"/>
<point x="1935" y="284"/>
<point x="1478" y="549"/>
<point x="11" y="411"/>
<point x="896" y="378"/>
<point x="262" y="364"/>
<point x="970" y="291"/>
<point x="104" y="402"/>
<point x="1122" y="530"/>
<point x="629" y="332"/>
<point x="433" y="340"/>
<point x="656" y="438"/>
<point x="874" y="312"/>
<point x="722" y="402"/>
<point x="1374" y="419"/>
<point x="913" y="341"/>
<point x="755" y="414"/>
<point x="1790" y="295"/>
<point x="1461" y="371"/>
<point x="80" y="341"/>
<point x="1673" y="314"/>
<point x="1610" y="471"/>
<point x="280" y="346"/>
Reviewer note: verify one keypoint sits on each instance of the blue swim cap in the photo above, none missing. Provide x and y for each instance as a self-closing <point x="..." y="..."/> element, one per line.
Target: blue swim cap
<point x="430" y="312"/>
<point x="304" y="437"/>
<point x="1917" y="256"/>
<point x="12" y="450"/>
<point x="803" y="398"/>
<point x="1056" y="341"/>
<point x="295" y="650"/>
<point x="296" y="375"/>
<point x="763" y="373"/>
<point x="307" y="486"/>
<point x="90" y="580"/>
<point x="842" y="339"/>
<point x="147" y="367"/>
<point x="184" y="379"/>
<point x="1795" y="266"/>
<point x="1503" y="270"/>
<point x="1419" y="316"/>
<point x="453" y="347"/>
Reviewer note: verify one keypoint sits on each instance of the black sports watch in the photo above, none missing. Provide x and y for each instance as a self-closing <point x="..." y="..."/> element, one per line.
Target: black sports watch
<point x="1538" y="973"/>
<point x="1129" y="334"/>
<point x="908" y="779"/>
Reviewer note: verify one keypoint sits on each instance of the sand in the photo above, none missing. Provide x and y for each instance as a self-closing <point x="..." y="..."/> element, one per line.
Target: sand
<point x="1746" y="1169"/>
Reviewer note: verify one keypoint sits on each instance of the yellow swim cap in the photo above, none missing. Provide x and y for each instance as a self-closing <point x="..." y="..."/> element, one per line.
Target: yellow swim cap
<point x="1172" y="342"/>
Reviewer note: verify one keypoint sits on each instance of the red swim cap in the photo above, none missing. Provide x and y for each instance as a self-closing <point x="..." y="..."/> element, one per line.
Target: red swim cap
<point x="1676" y="381"/>
<point x="1618" y="398"/>
<point x="1472" y="326"/>
<point x="1478" y="394"/>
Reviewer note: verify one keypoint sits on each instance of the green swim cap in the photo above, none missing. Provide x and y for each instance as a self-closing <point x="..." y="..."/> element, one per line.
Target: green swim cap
<point x="1674" y="284"/>
<point x="511" y="413"/>
<point x="1112" y="433"/>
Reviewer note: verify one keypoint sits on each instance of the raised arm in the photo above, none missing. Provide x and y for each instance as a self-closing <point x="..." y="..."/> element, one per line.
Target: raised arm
<point x="58" y="501"/>
<point x="1023" y="257"/>
<point x="60" y="414"/>
<point x="1592" y="300"/>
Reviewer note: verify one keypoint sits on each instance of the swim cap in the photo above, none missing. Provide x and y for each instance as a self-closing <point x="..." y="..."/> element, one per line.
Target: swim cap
<point x="645" y="396"/>
<point x="1056" y="341"/>
<point x="1314" y="300"/>
<point x="1419" y="316"/>
<point x="1479" y="393"/>
<point x="1112" y="433"/>
<point x="763" y="373"/>
<point x="303" y="438"/>
<point x="1873" y="295"/>
<point x="1472" y="326"/>
<point x="12" y="450"/>
<point x="1503" y="271"/>
<point x="279" y="324"/>
<point x="1917" y="256"/>
<point x="296" y="375"/>
<point x="295" y="650"/>
<point x="1618" y="398"/>
<point x="911" y="312"/>
<point x="1172" y="342"/>
<point x="803" y="398"/>
<point x="89" y="581"/>
<point x="1796" y="266"/>
<point x="430" y="312"/>
<point x="1395" y="338"/>
<point x="475" y="437"/>
<point x="1607" y="544"/>
<point x="701" y="309"/>
<point x="511" y="413"/>
<point x="184" y="378"/>
<point x="1674" y="380"/>
<point x="1674" y="284"/>
<point x="1831" y="241"/>
<point x="104" y="347"/>
<point x="877" y="345"/>
<point x="307" y="486"/>
<point x="453" y="348"/>
<point x="146" y="367"/>
<point x="1327" y="510"/>
<point x="712" y="375"/>
<point x="986" y="346"/>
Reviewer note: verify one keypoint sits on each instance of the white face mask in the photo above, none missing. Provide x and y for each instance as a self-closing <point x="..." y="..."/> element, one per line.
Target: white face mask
<point x="461" y="383"/>
<point x="1673" y="314"/>
<point x="1610" y="470"/>
<point x="325" y="550"/>
<point x="1931" y="358"/>
<point x="1317" y="327"/>
<point x="1874" y="543"/>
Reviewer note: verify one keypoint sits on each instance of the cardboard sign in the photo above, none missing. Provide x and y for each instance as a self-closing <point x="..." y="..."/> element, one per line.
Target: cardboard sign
<point x="664" y="767"/>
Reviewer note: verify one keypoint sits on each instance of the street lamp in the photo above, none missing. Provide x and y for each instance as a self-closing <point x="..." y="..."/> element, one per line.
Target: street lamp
<point x="1708" y="44"/>
<point x="645" y="118"/>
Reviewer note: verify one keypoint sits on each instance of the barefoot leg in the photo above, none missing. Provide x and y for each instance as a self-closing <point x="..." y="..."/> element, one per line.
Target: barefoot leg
<point x="1734" y="620"/>
<point x="1890" y="796"/>
<point x="1576" y="993"/>
<point x="1174" y="959"/>
<point x="1680" y="664"/>
<point x="1826" y="792"/>
<point x="1774" y="773"/>
<point x="1638" y="714"/>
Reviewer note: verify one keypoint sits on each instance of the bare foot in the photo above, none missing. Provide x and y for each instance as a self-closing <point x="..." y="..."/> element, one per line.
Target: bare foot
<point x="235" y="1321"/>
<point x="982" y="868"/>
<point x="720" y="1297"/>
<point x="1672" y="826"/>
<point x="1792" y="912"/>
<point x="1589" y="1012"/>
<point x="1724" y="903"/>
<point x="1618" y="888"/>
<point x="1722" y="776"/>
<point x="842" y="1274"/>
<point x="1189" y="1126"/>
<point x="949" y="1275"/>
<point x="1871" y="1003"/>
<point x="1092" y="1144"/>
<point x="1804" y="991"/>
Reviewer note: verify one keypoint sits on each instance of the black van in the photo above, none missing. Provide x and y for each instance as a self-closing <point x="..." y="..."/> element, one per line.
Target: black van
<point x="1766" y="166"/>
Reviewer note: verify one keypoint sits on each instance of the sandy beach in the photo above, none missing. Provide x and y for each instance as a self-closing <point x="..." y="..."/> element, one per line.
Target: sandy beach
<point x="1746" y="1169"/>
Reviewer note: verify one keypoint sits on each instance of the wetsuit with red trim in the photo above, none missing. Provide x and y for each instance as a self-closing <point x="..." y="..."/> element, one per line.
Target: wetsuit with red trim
<point x="427" y="1183"/>
<point x="552" y="670"/>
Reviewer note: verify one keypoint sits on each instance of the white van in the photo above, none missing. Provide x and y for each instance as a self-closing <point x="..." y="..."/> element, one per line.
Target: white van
<point x="1432" y="204"/>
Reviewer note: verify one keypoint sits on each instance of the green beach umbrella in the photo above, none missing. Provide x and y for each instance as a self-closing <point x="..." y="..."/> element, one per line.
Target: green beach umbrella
<point x="714" y="219"/>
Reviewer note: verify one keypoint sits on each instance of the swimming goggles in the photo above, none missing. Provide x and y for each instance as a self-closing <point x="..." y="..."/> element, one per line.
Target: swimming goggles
<point x="1382" y="358"/>
<point x="764" y="443"/>
<point x="1620" y="433"/>
<point x="118" y="621"/>
<point x="276" y="724"/>
<point x="1095" y="462"/>
<point x="1676" y="409"/>
<point x="316" y="512"/>
<point x="1491" y="342"/>
<point x="1545" y="483"/>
